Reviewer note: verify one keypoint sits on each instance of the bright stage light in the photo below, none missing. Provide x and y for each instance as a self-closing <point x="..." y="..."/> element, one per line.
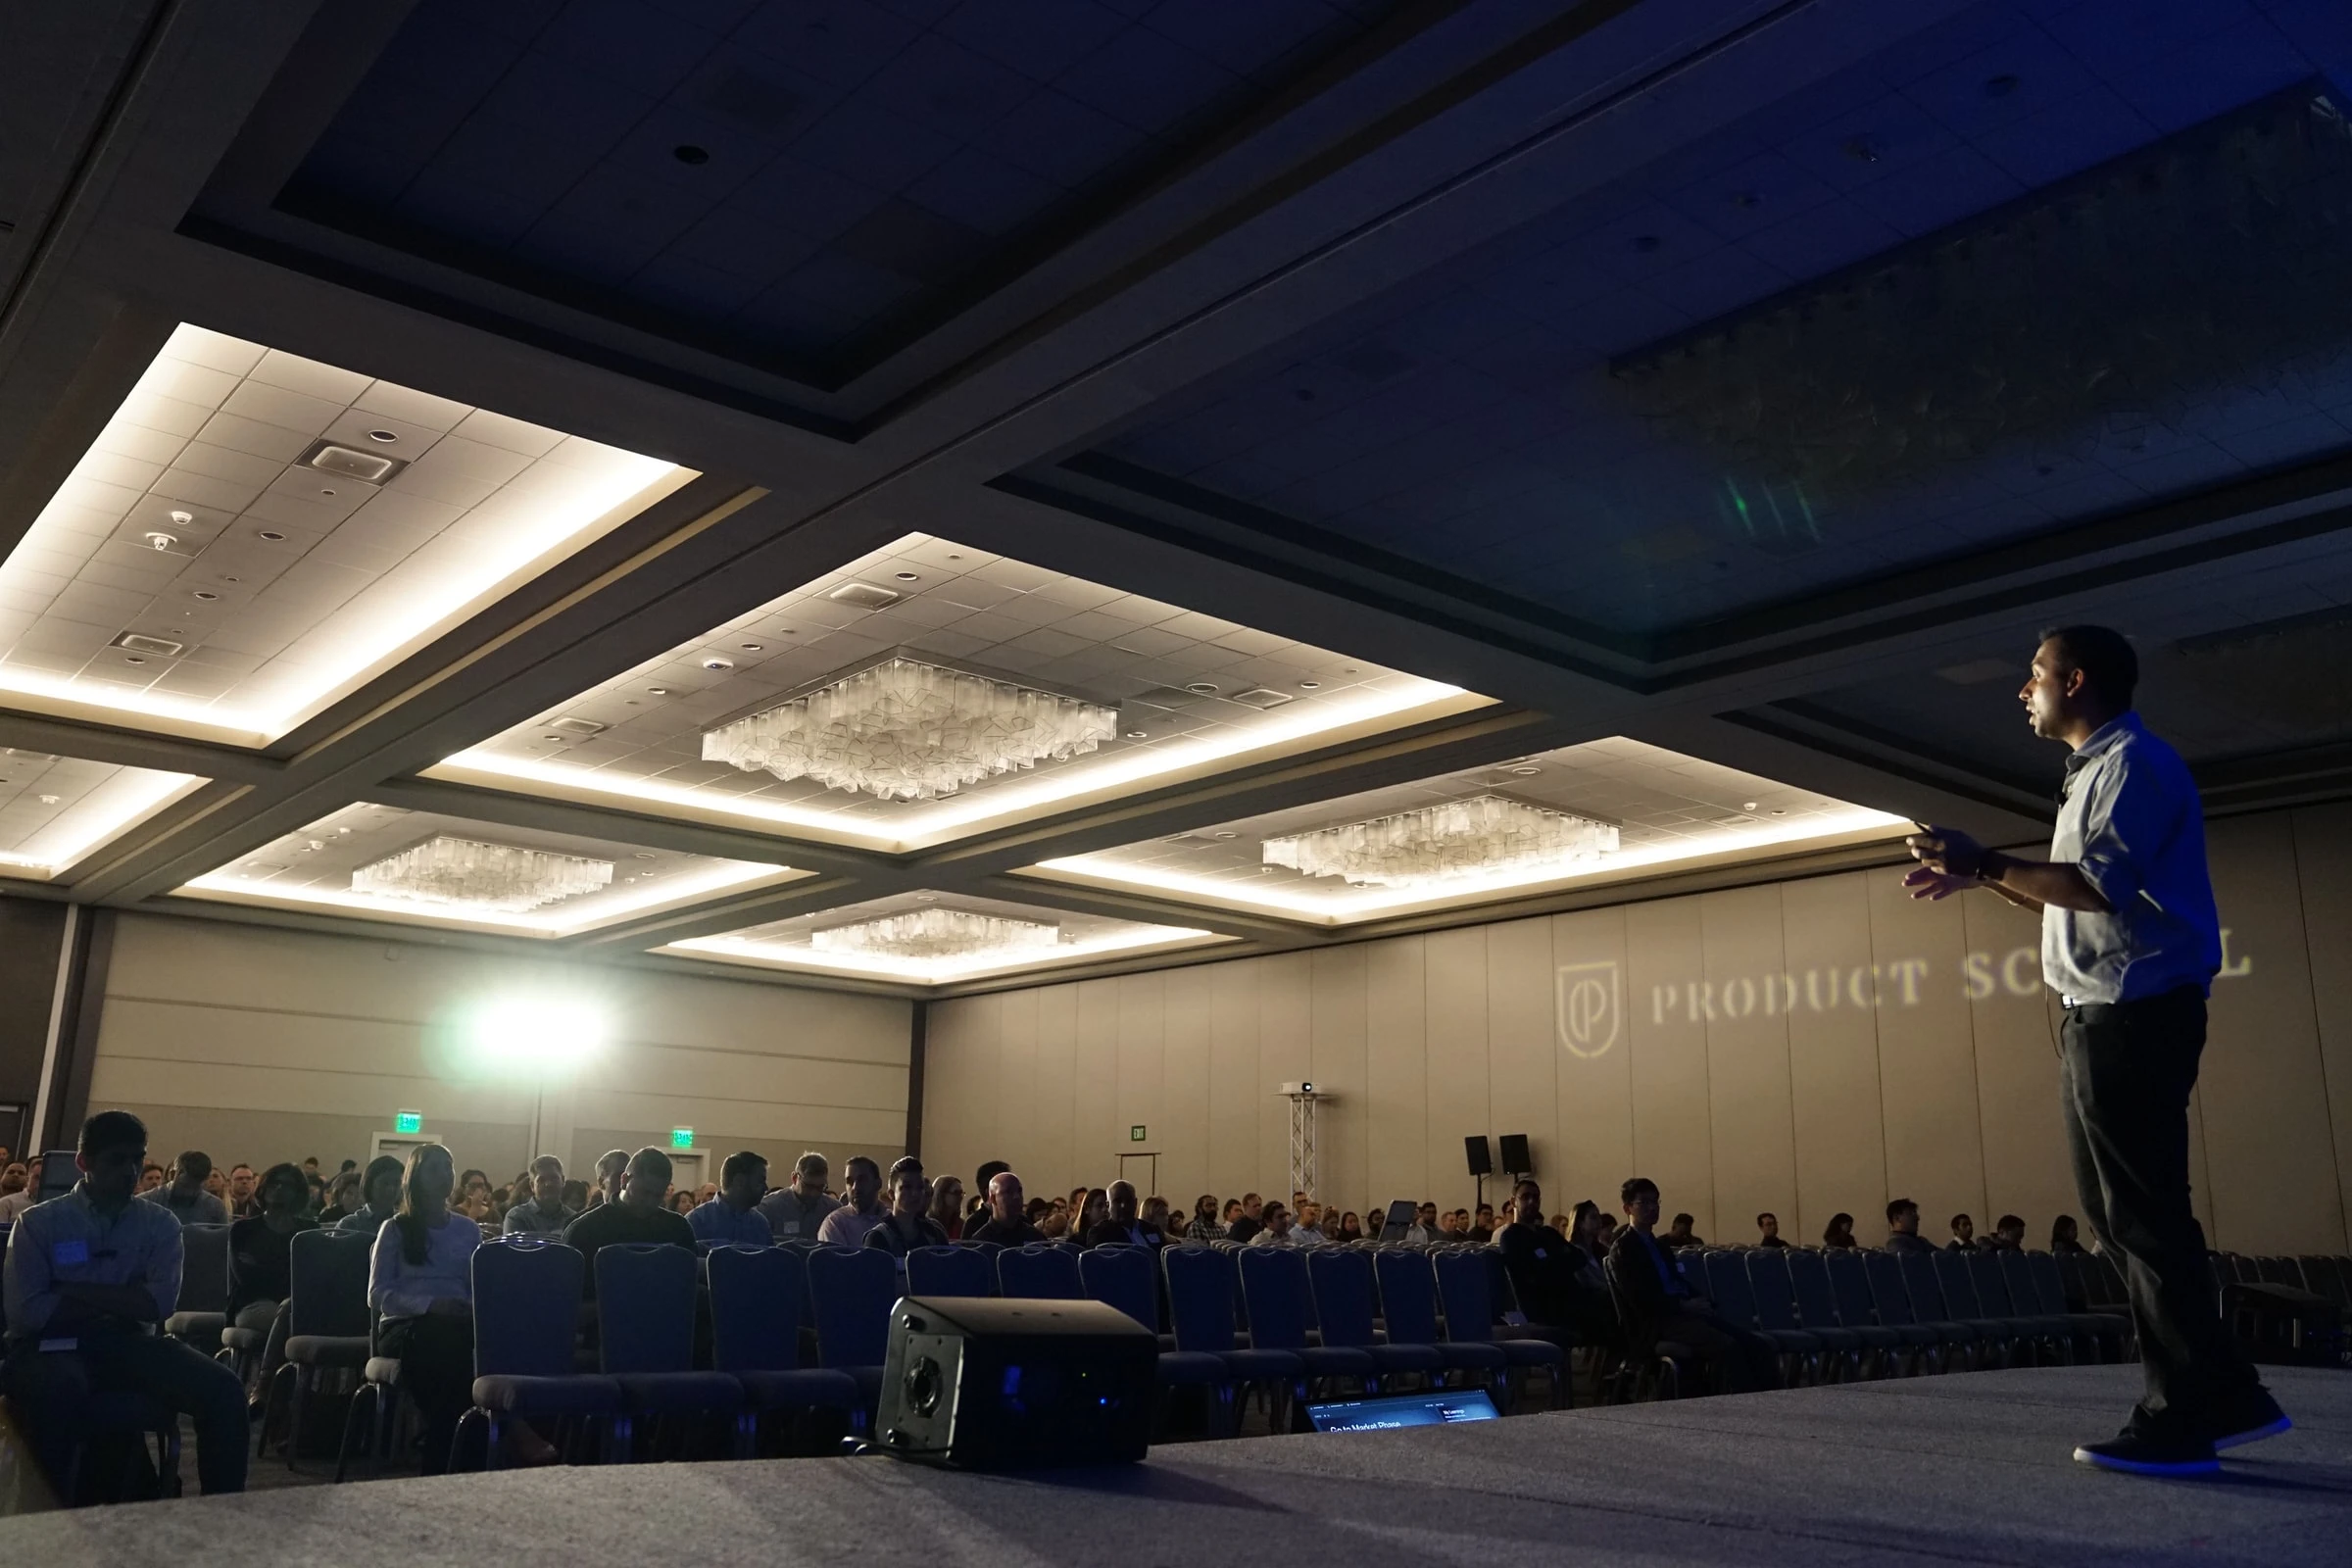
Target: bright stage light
<point x="532" y="1038"/>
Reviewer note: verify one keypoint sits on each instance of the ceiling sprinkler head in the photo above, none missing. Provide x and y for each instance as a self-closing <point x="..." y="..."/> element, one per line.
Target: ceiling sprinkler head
<point x="159" y="540"/>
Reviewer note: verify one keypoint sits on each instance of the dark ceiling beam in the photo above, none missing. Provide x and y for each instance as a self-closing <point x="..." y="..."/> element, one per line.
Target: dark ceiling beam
<point x="132" y="748"/>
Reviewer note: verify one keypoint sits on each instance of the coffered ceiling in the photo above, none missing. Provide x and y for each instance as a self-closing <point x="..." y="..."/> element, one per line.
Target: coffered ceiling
<point x="423" y="424"/>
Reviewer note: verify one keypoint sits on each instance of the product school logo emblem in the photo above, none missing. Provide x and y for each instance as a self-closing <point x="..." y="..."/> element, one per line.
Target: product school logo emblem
<point x="1589" y="1002"/>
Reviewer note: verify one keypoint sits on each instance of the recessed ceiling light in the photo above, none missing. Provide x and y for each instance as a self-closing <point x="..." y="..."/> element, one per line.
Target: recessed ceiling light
<point x="953" y="556"/>
<point x="1748" y="805"/>
<point x="206" y="593"/>
<point x="135" y="660"/>
<point x="551" y="737"/>
<point x="689" y="154"/>
<point x="1647" y="243"/>
<point x="908" y="576"/>
<point x="1746" y="198"/>
<point x="1310" y="685"/>
<point x="926" y="898"/>
<point x="1780" y="811"/>
<point x="2000" y="87"/>
<point x="752" y="647"/>
<point x="645" y="854"/>
<point x="184" y="519"/>
<point x="386" y="436"/>
<point x="1135" y="734"/>
<point x="1202" y="688"/>
<point x="1225" y="835"/>
<point x="1527" y="770"/>
<point x="718" y="664"/>
<point x="272" y="535"/>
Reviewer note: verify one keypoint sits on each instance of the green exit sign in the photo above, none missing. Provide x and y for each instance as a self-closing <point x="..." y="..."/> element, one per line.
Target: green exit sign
<point x="407" y="1121"/>
<point x="681" y="1138"/>
<point x="1135" y="1134"/>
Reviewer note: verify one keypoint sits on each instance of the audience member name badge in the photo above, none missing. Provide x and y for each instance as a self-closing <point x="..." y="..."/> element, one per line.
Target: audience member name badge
<point x="68" y="1343"/>
<point x="69" y="1255"/>
<point x="1540" y="1253"/>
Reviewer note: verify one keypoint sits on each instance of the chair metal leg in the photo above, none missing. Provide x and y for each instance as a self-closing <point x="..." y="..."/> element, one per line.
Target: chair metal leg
<point x="304" y="1384"/>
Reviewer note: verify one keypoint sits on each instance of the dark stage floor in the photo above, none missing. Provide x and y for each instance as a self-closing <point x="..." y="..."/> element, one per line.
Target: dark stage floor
<point x="1965" y="1469"/>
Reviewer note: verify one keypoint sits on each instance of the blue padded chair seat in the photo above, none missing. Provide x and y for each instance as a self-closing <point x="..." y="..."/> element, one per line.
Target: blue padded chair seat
<point x="1800" y="1341"/>
<point x="812" y="1388"/>
<point x="1336" y="1361"/>
<point x="1836" y="1339"/>
<point x="1951" y="1333"/>
<point x="663" y="1392"/>
<point x="1477" y="1355"/>
<point x="1529" y="1353"/>
<point x="1252" y="1365"/>
<point x="1388" y="1359"/>
<point x="327" y="1349"/>
<point x="530" y="1395"/>
<point x="1192" y="1368"/>
<point x="869" y="1383"/>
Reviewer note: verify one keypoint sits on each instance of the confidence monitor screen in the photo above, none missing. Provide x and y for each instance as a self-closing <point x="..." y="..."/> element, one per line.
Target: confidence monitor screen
<point x="1442" y="1407"/>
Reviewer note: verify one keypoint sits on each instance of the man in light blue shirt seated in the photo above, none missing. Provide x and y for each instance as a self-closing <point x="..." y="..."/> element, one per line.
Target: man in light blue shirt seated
<point x="544" y="1212"/>
<point x="89" y="1277"/>
<point x="733" y="1217"/>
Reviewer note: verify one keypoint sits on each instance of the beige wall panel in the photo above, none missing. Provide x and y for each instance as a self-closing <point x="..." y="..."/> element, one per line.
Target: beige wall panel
<point x="1460" y="1102"/>
<point x="1286" y="1054"/>
<point x="1592" y="1045"/>
<point x="1179" y="1124"/>
<point x="962" y="1052"/>
<point x="1927" y="1053"/>
<point x="232" y="1134"/>
<point x="2267" y="1132"/>
<point x="1523" y="1090"/>
<point x="1833" y="1056"/>
<point x="2323" y="862"/>
<point x="2025" y="1168"/>
<point x="741" y="1124"/>
<point x="268" y="1089"/>
<point x="1057" y="1089"/>
<point x="1337" y="1067"/>
<point x="1143" y="1076"/>
<point x="1748" y="1062"/>
<point x="1016" y="1141"/>
<point x="1233" y="1081"/>
<point x="1395" y="1073"/>
<point x="1673" y="1141"/>
<point x="1094" y="1146"/>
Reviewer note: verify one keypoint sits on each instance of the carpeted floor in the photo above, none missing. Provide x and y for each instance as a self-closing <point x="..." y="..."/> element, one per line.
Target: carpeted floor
<point x="1972" y="1469"/>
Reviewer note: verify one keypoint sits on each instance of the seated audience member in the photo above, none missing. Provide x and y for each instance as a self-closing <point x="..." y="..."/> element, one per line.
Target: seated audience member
<point x="1768" y="1231"/>
<point x="638" y="1214"/>
<point x="1125" y="1224"/>
<point x="2008" y="1235"/>
<point x="1482" y="1224"/>
<point x="244" y="1192"/>
<point x="1352" y="1227"/>
<point x="480" y="1206"/>
<point x="706" y="1192"/>
<point x="1679" y="1235"/>
<point x="947" y="1205"/>
<point x="472" y="1182"/>
<point x="11" y="1185"/>
<point x="215" y="1183"/>
<point x="1011" y="1221"/>
<point x="1054" y="1226"/>
<point x="611" y="1175"/>
<point x="89" y="1277"/>
<point x="1964" y="1235"/>
<point x="1660" y="1305"/>
<point x="151" y="1176"/>
<point x="1902" y="1228"/>
<point x="987" y="1172"/>
<point x="681" y="1201"/>
<point x="733" y="1217"/>
<point x="575" y="1196"/>
<point x="544" y="1212"/>
<point x="1584" y="1230"/>
<point x="1840" y="1232"/>
<point x="1091" y="1211"/>
<point x="379" y="1196"/>
<point x="796" y="1213"/>
<point x="1604" y="1231"/>
<point x="2064" y="1237"/>
<point x="1155" y="1214"/>
<point x="862" y="1208"/>
<point x="260" y="1263"/>
<point x="1243" y="1226"/>
<point x="342" y="1199"/>
<point x="316" y="1182"/>
<point x="909" y="1223"/>
<point x="184" y="1195"/>
<point x="421" y="1278"/>
<point x="1306" y="1228"/>
<point x="1204" y="1225"/>
<point x="1275" y="1225"/>
<point x="1560" y="1283"/>
<point x="1425" y="1228"/>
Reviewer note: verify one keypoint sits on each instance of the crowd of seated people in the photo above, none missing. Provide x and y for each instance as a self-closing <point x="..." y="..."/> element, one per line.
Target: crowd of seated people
<point x="104" y="1261"/>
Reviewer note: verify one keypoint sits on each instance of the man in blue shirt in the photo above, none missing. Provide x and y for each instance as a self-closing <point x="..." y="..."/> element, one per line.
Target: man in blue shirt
<point x="544" y="1212"/>
<point x="733" y="1217"/>
<point x="2129" y="941"/>
<point x="89" y="1277"/>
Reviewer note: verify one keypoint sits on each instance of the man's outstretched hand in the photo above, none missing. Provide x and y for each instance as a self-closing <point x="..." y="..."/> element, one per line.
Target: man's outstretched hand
<point x="1948" y="863"/>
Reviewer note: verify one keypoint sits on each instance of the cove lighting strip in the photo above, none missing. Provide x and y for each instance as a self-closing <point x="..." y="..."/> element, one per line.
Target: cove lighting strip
<point x="960" y="813"/>
<point x="796" y="955"/>
<point x="1303" y="899"/>
<point x="120" y="803"/>
<point x="586" y="914"/>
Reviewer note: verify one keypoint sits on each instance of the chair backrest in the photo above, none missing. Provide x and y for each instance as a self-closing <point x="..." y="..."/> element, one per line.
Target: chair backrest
<point x="1341" y="1279"/>
<point x="1889" y="1291"/>
<point x="527" y="1306"/>
<point x="1727" y="1283"/>
<point x="950" y="1271"/>
<point x="327" y="1278"/>
<point x="1929" y="1277"/>
<point x="851" y="1291"/>
<point x="1849" y="1279"/>
<point x="1768" y="1279"/>
<point x="1810" y="1283"/>
<point x="1274" y="1279"/>
<point x="756" y="1293"/>
<point x="2025" y="1293"/>
<point x="2081" y="1294"/>
<point x="1200" y="1296"/>
<point x="1990" y="1284"/>
<point x="2241" y="1268"/>
<point x="2324" y="1275"/>
<point x="1122" y="1277"/>
<point x="1465" y="1287"/>
<point x="1039" y="1274"/>
<point x="991" y="1248"/>
<point x="2279" y="1271"/>
<point x="645" y="1306"/>
<point x="204" y="1269"/>
<point x="1409" y="1294"/>
<point x="2048" y="1282"/>
<point x="2100" y="1267"/>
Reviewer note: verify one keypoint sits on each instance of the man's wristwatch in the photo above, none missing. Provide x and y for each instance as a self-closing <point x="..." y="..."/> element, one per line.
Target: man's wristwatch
<point x="1992" y="864"/>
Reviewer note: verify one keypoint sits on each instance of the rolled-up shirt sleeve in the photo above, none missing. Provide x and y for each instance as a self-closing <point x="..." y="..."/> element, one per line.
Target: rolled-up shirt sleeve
<point x="2125" y="821"/>
<point x="31" y="1289"/>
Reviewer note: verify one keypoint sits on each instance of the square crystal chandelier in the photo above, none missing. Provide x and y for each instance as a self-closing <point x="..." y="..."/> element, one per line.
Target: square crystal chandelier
<point x="1482" y="835"/>
<point x="906" y="730"/>
<point x="939" y="933"/>
<point x="483" y="876"/>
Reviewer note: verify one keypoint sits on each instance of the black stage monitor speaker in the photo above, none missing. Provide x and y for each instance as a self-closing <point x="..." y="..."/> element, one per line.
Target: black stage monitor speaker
<point x="1481" y="1158"/>
<point x="983" y="1384"/>
<point x="1514" y="1155"/>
